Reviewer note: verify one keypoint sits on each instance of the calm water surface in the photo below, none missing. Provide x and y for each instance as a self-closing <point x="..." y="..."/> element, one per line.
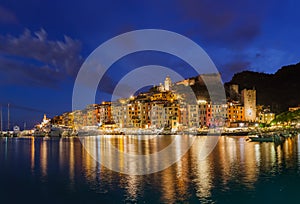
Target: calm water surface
<point x="43" y="170"/>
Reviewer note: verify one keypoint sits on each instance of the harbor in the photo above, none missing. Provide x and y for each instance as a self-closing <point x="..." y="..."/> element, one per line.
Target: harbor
<point x="236" y="171"/>
<point x="255" y="134"/>
<point x="149" y="102"/>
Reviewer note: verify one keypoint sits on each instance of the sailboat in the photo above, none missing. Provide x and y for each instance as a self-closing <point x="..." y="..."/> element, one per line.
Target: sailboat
<point x="1" y="128"/>
<point x="5" y="133"/>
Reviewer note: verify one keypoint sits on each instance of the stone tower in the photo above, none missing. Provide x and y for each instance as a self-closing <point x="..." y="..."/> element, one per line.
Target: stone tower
<point x="249" y="101"/>
<point x="168" y="83"/>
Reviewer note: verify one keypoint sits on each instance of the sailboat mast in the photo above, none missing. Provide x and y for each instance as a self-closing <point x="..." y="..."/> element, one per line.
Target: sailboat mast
<point x="8" y="116"/>
<point x="1" y="119"/>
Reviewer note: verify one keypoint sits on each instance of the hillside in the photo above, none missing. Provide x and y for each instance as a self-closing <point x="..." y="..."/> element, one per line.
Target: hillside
<point x="279" y="90"/>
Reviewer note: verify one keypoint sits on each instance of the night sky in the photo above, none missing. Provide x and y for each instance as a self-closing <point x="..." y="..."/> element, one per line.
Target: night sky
<point x="44" y="43"/>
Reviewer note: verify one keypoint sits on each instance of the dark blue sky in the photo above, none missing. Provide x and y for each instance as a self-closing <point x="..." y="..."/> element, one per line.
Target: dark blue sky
<point x="43" y="43"/>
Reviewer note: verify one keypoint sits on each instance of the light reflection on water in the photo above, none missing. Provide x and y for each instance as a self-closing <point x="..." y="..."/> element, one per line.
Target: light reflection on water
<point x="233" y="170"/>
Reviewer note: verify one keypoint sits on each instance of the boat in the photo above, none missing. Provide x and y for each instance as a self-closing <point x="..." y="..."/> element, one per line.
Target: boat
<point x="260" y="138"/>
<point x="288" y="134"/>
<point x="39" y="133"/>
<point x="166" y="131"/>
<point x="202" y="132"/>
<point x="26" y="133"/>
<point x="279" y="138"/>
<point x="6" y="134"/>
<point x="66" y="133"/>
<point x="275" y="137"/>
<point x="236" y="133"/>
<point x="55" y="132"/>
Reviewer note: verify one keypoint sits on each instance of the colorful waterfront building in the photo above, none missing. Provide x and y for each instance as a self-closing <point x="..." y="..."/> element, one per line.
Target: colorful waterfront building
<point x="235" y="111"/>
<point x="79" y="119"/>
<point x="202" y="104"/>
<point x="92" y="114"/>
<point x="57" y="120"/>
<point x="215" y="114"/>
<point x="68" y="119"/>
<point x="119" y="110"/>
<point x="105" y="115"/>
<point x="157" y="115"/>
<point x="172" y="115"/>
<point x="264" y="115"/>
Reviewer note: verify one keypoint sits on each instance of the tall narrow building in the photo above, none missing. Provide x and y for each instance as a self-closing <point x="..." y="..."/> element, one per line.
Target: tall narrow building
<point x="249" y="101"/>
<point x="168" y="83"/>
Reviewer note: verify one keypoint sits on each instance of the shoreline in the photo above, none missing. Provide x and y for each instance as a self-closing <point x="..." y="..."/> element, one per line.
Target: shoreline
<point x="125" y="132"/>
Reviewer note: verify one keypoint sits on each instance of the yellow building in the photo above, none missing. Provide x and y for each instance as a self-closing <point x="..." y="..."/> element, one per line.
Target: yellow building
<point x="266" y="117"/>
<point x="163" y="96"/>
<point x="172" y="115"/>
<point x="79" y="119"/>
<point x="291" y="109"/>
<point x="92" y="114"/>
<point x="68" y="119"/>
<point x="138" y="114"/>
<point x="57" y="120"/>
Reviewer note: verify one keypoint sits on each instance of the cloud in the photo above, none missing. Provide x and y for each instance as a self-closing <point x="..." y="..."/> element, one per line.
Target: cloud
<point x="7" y="16"/>
<point x="271" y="59"/>
<point x="14" y="72"/>
<point x="267" y="60"/>
<point x="40" y="60"/>
<point x="232" y="23"/>
<point x="235" y="66"/>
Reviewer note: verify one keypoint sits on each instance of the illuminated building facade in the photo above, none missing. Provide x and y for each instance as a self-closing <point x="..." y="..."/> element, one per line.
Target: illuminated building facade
<point x="92" y="114"/>
<point x="202" y="104"/>
<point x="105" y="115"/>
<point x="235" y="112"/>
<point x="291" y="109"/>
<point x="68" y="119"/>
<point x="266" y="117"/>
<point x="158" y="115"/>
<point x="249" y="100"/>
<point x="172" y="115"/>
<point x="168" y="84"/>
<point x="193" y="115"/>
<point x="162" y="107"/>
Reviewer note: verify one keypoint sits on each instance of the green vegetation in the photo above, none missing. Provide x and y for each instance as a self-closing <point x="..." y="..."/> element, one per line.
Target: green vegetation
<point x="286" y="117"/>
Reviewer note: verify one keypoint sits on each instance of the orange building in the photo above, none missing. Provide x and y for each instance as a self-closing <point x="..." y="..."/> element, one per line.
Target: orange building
<point x="235" y="112"/>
